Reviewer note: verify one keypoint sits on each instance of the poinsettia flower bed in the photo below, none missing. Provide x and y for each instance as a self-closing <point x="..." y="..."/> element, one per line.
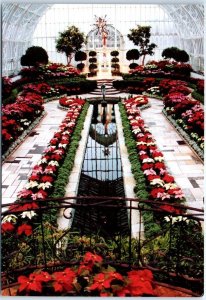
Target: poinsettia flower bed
<point x="90" y="278"/>
<point x="44" y="89"/>
<point x="18" y="116"/>
<point x="161" y="185"/>
<point x="41" y="180"/>
<point x="168" y="85"/>
<point x="51" y="70"/>
<point x="162" y="69"/>
<point x="188" y="114"/>
<point x="66" y="102"/>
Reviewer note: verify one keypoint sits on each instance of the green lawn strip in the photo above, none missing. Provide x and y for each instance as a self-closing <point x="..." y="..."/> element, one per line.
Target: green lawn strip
<point x="66" y="168"/>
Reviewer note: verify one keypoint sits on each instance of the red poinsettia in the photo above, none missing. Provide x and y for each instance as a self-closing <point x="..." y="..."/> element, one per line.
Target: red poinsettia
<point x="170" y="209"/>
<point x="7" y="227"/>
<point x="24" y="229"/>
<point x="63" y="281"/>
<point x="140" y="283"/>
<point x="33" y="282"/>
<point x="104" y="281"/>
<point x="156" y="191"/>
<point x="90" y="259"/>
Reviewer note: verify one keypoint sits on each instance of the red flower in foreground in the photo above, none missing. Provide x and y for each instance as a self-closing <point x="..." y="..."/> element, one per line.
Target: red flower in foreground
<point x="170" y="209"/>
<point x="140" y="283"/>
<point x="27" y="229"/>
<point x="7" y="227"/>
<point x="156" y="191"/>
<point x="29" y="283"/>
<point x="101" y="281"/>
<point x="90" y="259"/>
<point x="64" y="280"/>
<point x="168" y="178"/>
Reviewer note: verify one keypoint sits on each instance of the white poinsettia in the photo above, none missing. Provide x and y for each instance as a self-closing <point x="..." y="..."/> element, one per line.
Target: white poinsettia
<point x="53" y="163"/>
<point x="150" y="172"/>
<point x="28" y="214"/>
<point x="176" y="219"/>
<point x="163" y="196"/>
<point x="49" y="149"/>
<point x="157" y="181"/>
<point x="142" y="152"/>
<point x="148" y="160"/>
<point x="170" y="186"/>
<point x="9" y="218"/>
<point x="66" y="132"/>
<point x="31" y="184"/>
<point x="45" y="185"/>
<point x="151" y="144"/>
<point x="159" y="158"/>
<point x="136" y="130"/>
<point x="42" y="161"/>
<point x="62" y="145"/>
<point x="141" y="143"/>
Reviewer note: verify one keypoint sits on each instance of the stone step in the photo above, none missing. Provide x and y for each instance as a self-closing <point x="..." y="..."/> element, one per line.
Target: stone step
<point x="108" y="93"/>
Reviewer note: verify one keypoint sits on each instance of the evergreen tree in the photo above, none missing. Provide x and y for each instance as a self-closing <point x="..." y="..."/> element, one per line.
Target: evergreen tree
<point x="140" y="36"/>
<point x="70" y="41"/>
<point x="34" y="56"/>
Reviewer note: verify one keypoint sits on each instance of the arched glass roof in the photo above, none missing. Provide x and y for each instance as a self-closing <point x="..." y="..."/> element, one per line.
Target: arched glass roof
<point x="20" y="20"/>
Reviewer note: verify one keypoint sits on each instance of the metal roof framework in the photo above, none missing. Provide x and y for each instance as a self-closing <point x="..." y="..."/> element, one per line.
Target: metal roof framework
<point x="19" y="21"/>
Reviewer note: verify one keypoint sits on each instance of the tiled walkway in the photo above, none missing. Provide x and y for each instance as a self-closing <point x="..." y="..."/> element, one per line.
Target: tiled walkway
<point x="182" y="162"/>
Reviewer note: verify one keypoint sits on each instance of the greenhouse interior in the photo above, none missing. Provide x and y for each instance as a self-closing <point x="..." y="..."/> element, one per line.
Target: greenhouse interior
<point x="102" y="149"/>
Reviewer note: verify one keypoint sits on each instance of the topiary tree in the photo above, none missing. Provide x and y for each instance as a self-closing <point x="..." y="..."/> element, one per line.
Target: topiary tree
<point x="182" y="56"/>
<point x="176" y="54"/>
<point x="92" y="53"/>
<point x="140" y="36"/>
<point x="170" y="52"/>
<point x="132" y="54"/>
<point x="133" y="65"/>
<point x="92" y="66"/>
<point x="34" y="56"/>
<point x="80" y="56"/>
<point x="70" y="41"/>
<point x="114" y="53"/>
<point x="115" y="60"/>
<point x="93" y="60"/>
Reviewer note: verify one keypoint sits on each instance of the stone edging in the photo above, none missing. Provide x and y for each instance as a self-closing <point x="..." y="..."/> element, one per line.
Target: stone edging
<point x="22" y="137"/>
<point x="194" y="147"/>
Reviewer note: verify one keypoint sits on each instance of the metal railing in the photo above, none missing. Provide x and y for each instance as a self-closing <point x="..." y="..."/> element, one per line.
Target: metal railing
<point x="169" y="244"/>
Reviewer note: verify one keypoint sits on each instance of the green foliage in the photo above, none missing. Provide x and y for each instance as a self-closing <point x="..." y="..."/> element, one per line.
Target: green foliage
<point x="115" y="66"/>
<point x="114" y="53"/>
<point x="70" y="41"/>
<point x="133" y="65"/>
<point x="140" y="36"/>
<point x="115" y="60"/>
<point x="92" y="53"/>
<point x="92" y="66"/>
<point x="140" y="188"/>
<point x="80" y="66"/>
<point x="11" y="98"/>
<point x="80" y="56"/>
<point x="176" y="54"/>
<point x="132" y="54"/>
<point x="34" y="56"/>
<point x="66" y="168"/>
<point x="93" y="60"/>
<point x="198" y="96"/>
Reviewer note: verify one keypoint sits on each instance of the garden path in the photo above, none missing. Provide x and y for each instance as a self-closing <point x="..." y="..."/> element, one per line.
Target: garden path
<point x="181" y="161"/>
